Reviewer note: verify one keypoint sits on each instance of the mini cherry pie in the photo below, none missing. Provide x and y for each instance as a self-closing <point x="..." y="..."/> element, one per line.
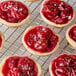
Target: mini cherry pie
<point x="71" y="36"/>
<point x="13" y="13"/>
<point x="40" y="40"/>
<point x="2" y="40"/>
<point x="56" y="13"/>
<point x="20" y="66"/>
<point x="63" y="65"/>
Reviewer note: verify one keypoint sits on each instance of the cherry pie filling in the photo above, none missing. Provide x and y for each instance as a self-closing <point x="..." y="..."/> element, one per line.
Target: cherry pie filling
<point x="41" y="39"/>
<point x="19" y="66"/>
<point x="72" y="33"/>
<point x="0" y="41"/>
<point x="64" y="65"/>
<point x="57" y="11"/>
<point x="13" y="11"/>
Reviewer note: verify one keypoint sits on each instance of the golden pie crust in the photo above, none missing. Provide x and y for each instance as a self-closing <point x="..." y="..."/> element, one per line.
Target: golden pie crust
<point x="38" y="66"/>
<point x="3" y="40"/>
<point x="52" y="23"/>
<point x="15" y="25"/>
<point x="35" y="52"/>
<point x="69" y="39"/>
<point x="50" y="69"/>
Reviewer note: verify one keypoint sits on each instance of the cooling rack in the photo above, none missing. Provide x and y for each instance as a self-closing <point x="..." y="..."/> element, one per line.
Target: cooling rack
<point x="14" y="46"/>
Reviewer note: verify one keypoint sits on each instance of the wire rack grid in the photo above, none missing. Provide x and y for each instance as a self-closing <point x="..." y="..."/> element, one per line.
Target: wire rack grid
<point x="14" y="46"/>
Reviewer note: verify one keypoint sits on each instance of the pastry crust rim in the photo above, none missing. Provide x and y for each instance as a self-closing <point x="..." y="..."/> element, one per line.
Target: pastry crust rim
<point x="3" y="40"/>
<point x="37" y="53"/>
<point x="52" y="23"/>
<point x="50" y="68"/>
<point x="37" y="65"/>
<point x="69" y="39"/>
<point x="16" y="25"/>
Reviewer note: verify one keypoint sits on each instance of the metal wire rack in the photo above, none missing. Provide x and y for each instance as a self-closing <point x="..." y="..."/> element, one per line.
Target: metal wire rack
<point x="14" y="46"/>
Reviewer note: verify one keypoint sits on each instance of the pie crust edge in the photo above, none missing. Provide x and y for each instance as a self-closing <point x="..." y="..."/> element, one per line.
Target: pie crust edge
<point x="70" y="40"/>
<point x="50" y="69"/>
<point x="3" y="40"/>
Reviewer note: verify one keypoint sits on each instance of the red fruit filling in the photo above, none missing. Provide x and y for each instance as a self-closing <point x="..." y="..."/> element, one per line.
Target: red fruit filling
<point x="64" y="65"/>
<point x="41" y="39"/>
<point x="72" y="33"/>
<point x="57" y="11"/>
<point x="13" y="11"/>
<point x="19" y="66"/>
<point x="0" y="41"/>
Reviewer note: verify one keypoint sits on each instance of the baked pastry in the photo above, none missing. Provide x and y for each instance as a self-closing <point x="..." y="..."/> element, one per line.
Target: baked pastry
<point x="63" y="65"/>
<point x="2" y="40"/>
<point x="31" y="0"/>
<point x="40" y="40"/>
<point x="20" y="66"/>
<point x="13" y="13"/>
<point x="56" y="13"/>
<point x="71" y="36"/>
